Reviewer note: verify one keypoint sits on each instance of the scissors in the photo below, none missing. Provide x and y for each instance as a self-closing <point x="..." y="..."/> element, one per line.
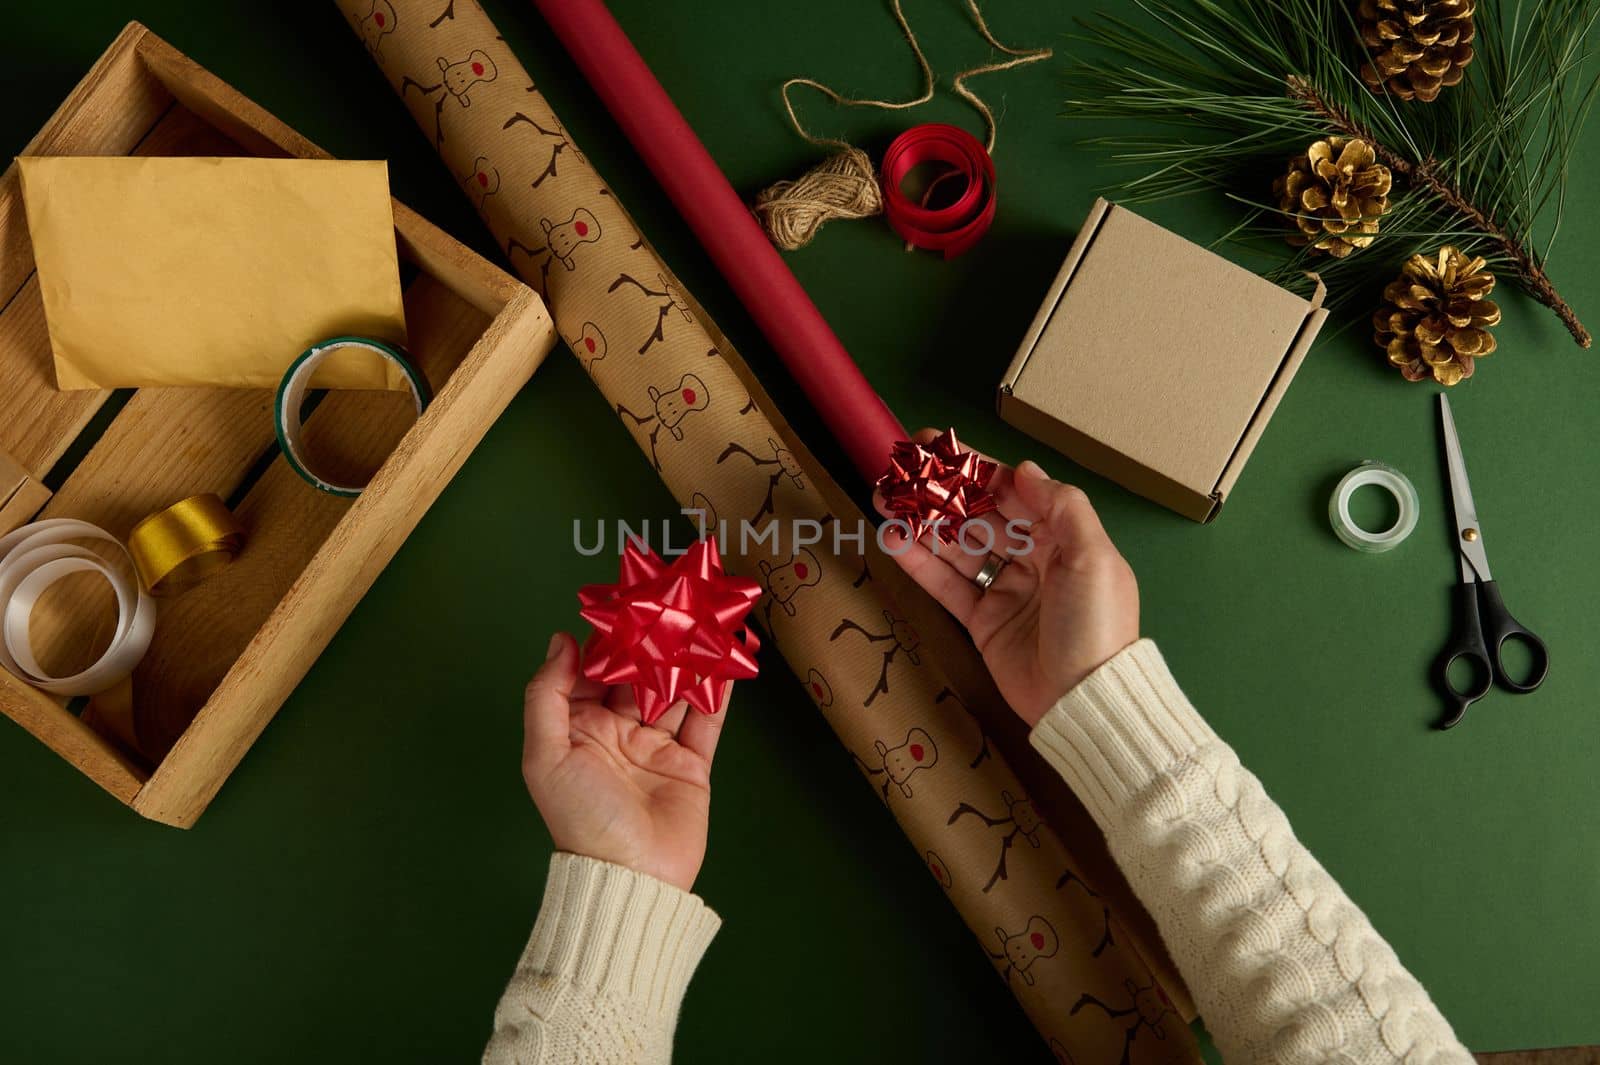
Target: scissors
<point x="1482" y="622"/>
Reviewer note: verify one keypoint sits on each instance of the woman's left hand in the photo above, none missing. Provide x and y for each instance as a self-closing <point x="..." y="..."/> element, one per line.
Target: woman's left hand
<point x="609" y="786"/>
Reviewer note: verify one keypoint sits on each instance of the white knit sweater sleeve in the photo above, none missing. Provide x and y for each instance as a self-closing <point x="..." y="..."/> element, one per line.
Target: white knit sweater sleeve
<point x="1283" y="967"/>
<point x="604" y="973"/>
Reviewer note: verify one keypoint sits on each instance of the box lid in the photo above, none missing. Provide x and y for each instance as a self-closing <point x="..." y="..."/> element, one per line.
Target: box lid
<point x="1161" y="353"/>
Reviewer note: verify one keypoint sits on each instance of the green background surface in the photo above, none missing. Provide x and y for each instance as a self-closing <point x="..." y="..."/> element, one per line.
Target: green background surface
<point x="365" y="881"/>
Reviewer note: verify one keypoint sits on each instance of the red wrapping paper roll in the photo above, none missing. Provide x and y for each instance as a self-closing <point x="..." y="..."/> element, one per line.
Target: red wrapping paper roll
<point x="854" y="413"/>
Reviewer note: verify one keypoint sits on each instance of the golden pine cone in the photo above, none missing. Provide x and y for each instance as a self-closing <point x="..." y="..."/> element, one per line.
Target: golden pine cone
<point x="1436" y="317"/>
<point x="1335" y="194"/>
<point x="1417" y="47"/>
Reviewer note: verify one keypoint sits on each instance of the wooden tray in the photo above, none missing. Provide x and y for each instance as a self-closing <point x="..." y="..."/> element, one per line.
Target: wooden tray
<point x="228" y="652"/>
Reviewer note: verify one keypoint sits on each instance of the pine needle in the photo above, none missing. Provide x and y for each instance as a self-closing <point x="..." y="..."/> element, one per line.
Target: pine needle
<point x="1230" y="90"/>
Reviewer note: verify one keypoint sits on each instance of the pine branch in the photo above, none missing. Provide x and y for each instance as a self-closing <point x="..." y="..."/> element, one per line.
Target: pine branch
<point x="1428" y="175"/>
<point x="1229" y="89"/>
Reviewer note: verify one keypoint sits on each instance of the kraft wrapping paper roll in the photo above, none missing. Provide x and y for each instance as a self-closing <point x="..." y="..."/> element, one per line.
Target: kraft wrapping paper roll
<point x="855" y="415"/>
<point x="717" y="443"/>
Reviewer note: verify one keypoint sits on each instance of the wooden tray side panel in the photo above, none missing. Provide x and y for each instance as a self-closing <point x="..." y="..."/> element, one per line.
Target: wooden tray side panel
<point x="117" y="109"/>
<point x="254" y="127"/>
<point x="108" y="113"/>
<point x="470" y="276"/>
<point x="82" y="747"/>
<point x="38" y="423"/>
<point x="362" y="542"/>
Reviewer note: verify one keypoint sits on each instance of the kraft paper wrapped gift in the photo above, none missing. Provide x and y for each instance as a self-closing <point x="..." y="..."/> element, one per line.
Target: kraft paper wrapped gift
<point x="1156" y="362"/>
<point x="212" y="271"/>
<point x="835" y="612"/>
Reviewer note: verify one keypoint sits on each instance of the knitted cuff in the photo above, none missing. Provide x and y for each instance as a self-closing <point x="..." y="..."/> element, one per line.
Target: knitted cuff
<point x="610" y="930"/>
<point x="1117" y="730"/>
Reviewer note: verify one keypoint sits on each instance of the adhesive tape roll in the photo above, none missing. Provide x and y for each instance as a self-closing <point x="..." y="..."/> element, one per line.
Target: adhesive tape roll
<point x="1390" y="480"/>
<point x="35" y="557"/>
<point x="952" y="229"/>
<point x="297" y="382"/>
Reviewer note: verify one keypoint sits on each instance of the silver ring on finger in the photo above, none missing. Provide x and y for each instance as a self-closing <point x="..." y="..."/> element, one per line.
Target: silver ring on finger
<point x="985" y="577"/>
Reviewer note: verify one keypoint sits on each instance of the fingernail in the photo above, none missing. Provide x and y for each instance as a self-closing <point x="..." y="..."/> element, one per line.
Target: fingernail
<point x="555" y="647"/>
<point x="1033" y="469"/>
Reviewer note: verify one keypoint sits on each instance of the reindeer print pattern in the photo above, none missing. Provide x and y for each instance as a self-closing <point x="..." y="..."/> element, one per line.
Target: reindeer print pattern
<point x="590" y="347"/>
<point x="896" y="764"/>
<point x="783" y="463"/>
<point x="483" y="182"/>
<point x="377" y="25"/>
<point x="1147" y="1007"/>
<point x="563" y="239"/>
<point x="1020" y="952"/>
<point x="819" y="688"/>
<point x="1020" y="814"/>
<point x="669" y="300"/>
<point x="678" y="384"/>
<point x="557" y="139"/>
<point x="455" y="82"/>
<point x="459" y="78"/>
<point x="538" y="256"/>
<point x="940" y="871"/>
<point x="668" y="410"/>
<point x="902" y="639"/>
<point x="784" y="582"/>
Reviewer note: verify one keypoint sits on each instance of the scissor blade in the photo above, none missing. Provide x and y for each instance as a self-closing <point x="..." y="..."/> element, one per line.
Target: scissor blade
<point x="1469" y="534"/>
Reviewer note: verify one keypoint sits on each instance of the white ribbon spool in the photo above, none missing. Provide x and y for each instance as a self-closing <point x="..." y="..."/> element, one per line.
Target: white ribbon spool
<point x="35" y="557"/>
<point x="1390" y="480"/>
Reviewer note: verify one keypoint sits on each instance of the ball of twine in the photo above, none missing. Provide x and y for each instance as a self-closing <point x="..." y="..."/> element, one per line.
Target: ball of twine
<point x="842" y="186"/>
<point x="846" y="184"/>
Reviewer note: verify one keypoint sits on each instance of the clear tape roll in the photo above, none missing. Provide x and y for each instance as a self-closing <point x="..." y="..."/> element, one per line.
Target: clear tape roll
<point x="297" y="382"/>
<point x="1390" y="480"/>
<point x="35" y="557"/>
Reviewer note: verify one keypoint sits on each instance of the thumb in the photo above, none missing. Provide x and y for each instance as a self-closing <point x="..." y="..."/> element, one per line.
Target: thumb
<point x="1064" y="509"/>
<point x="546" y="704"/>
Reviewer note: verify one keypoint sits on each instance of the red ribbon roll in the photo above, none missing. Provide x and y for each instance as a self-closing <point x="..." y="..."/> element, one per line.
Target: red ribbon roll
<point x="953" y="229"/>
<point x="672" y="631"/>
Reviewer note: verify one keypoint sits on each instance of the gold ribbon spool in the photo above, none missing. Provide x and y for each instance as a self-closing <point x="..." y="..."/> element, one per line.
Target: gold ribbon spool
<point x="177" y="548"/>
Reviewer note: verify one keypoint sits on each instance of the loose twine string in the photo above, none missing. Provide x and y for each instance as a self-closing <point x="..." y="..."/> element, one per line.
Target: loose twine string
<point x="845" y="185"/>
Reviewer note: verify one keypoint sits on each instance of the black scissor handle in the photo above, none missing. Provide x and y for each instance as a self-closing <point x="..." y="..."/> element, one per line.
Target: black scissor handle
<point x="1466" y="642"/>
<point x="1498" y="627"/>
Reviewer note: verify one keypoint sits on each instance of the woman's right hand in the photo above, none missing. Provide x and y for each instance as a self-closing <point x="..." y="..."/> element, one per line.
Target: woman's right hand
<point x="1057" y="611"/>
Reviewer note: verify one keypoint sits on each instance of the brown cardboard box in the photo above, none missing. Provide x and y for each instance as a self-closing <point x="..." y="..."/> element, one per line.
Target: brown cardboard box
<point x="1157" y="363"/>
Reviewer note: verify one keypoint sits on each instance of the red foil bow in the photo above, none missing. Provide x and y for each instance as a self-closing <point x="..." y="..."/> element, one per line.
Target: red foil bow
<point x="671" y="631"/>
<point x="937" y="486"/>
